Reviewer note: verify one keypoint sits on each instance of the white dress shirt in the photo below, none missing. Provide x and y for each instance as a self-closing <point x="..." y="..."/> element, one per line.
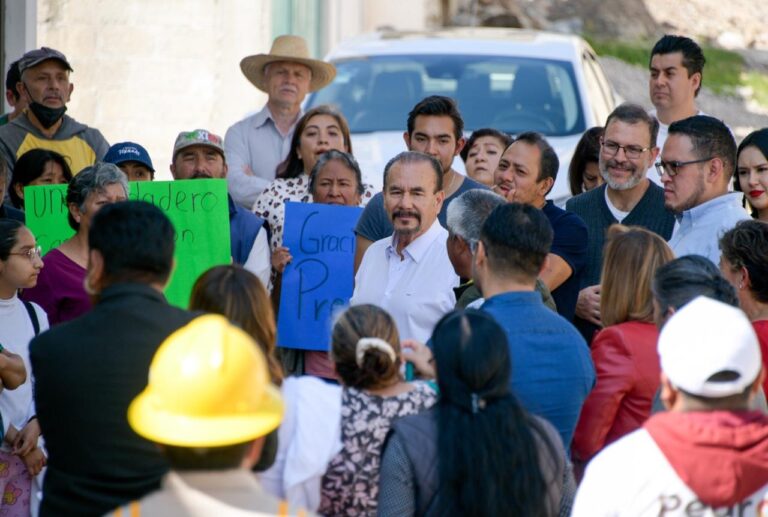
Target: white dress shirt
<point x="259" y="261"/>
<point x="416" y="290"/>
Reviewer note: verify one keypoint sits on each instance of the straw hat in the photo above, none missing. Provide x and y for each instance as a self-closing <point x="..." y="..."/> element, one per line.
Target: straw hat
<point x="287" y="48"/>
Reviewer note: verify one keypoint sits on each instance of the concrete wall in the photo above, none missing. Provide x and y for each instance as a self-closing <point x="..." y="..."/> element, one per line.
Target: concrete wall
<point x="146" y="69"/>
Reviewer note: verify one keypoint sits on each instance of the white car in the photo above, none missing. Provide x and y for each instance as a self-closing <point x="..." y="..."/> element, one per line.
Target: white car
<point x="508" y="79"/>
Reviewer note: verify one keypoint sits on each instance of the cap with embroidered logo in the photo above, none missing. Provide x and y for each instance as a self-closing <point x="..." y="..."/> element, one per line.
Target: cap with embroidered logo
<point x="198" y="137"/>
<point x="129" y="152"/>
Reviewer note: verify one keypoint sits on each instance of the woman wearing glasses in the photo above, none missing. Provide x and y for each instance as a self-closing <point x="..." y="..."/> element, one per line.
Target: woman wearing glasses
<point x="20" y="457"/>
<point x="752" y="172"/>
<point x="60" y="288"/>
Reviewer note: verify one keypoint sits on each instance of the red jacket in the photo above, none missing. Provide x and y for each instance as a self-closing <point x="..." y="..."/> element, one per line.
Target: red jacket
<point x="761" y="329"/>
<point x="627" y="366"/>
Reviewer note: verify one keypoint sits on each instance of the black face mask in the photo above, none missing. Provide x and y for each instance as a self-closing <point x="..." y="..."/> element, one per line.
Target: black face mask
<point x="47" y="116"/>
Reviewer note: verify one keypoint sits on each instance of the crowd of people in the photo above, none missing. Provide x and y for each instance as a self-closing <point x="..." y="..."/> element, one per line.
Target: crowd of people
<point x="500" y="354"/>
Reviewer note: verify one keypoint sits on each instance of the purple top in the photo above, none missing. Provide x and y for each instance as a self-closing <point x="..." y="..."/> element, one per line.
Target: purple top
<point x="59" y="290"/>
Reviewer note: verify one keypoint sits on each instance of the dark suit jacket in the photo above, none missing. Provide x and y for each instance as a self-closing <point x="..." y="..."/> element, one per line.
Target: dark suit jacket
<point x="87" y="371"/>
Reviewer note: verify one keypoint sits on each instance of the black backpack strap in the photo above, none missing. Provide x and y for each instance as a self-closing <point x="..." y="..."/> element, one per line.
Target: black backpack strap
<point x="32" y="316"/>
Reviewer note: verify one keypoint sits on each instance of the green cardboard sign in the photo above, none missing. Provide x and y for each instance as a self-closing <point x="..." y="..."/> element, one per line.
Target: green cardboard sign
<point x="198" y="209"/>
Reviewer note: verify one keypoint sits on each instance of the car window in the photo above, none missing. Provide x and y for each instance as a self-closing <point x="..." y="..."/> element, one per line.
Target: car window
<point x="510" y="94"/>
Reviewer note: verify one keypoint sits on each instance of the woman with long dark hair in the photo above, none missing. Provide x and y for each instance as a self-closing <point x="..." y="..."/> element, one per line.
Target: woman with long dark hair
<point x="319" y="130"/>
<point x="583" y="171"/>
<point x="478" y="452"/>
<point x="752" y="172"/>
<point x="21" y="457"/>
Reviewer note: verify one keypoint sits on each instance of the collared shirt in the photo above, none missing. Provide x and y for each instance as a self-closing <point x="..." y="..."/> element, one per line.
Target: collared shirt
<point x="700" y="228"/>
<point x="552" y="371"/>
<point x="416" y="290"/>
<point x="254" y="147"/>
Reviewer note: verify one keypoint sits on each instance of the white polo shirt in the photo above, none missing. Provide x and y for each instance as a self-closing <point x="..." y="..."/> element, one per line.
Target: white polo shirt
<point x="416" y="290"/>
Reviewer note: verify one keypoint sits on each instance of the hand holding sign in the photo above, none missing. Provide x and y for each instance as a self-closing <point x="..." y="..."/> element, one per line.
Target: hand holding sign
<point x="319" y="278"/>
<point x="280" y="258"/>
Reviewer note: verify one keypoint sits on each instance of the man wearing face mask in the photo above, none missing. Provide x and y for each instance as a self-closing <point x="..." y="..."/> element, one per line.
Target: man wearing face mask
<point x="46" y="88"/>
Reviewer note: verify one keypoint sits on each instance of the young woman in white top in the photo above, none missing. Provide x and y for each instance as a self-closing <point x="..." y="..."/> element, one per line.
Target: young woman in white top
<point x="20" y="457"/>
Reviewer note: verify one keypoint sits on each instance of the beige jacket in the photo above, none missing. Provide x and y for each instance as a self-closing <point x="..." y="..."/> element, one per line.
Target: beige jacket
<point x="230" y="493"/>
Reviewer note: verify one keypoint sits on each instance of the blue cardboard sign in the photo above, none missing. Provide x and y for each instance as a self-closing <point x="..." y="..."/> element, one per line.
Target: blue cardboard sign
<point x="320" y="277"/>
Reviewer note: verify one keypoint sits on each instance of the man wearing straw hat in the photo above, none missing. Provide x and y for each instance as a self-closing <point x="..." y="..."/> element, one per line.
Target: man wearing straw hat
<point x="208" y="405"/>
<point x="258" y="143"/>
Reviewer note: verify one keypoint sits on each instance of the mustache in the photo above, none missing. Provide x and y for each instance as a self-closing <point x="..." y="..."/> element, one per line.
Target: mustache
<point x="201" y="175"/>
<point x="615" y="164"/>
<point x="406" y="213"/>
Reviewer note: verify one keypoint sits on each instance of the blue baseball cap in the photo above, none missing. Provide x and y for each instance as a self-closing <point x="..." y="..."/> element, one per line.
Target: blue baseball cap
<point x="128" y="152"/>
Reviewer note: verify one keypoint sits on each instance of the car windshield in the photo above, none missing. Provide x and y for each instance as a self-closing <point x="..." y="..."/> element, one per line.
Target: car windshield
<point x="507" y="93"/>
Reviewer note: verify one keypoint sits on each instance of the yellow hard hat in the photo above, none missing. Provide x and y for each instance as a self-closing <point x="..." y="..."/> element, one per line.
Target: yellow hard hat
<point x="208" y="387"/>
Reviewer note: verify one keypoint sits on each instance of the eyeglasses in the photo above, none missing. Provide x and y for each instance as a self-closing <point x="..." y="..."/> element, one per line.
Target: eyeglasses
<point x="672" y="167"/>
<point x="31" y="253"/>
<point x="633" y="152"/>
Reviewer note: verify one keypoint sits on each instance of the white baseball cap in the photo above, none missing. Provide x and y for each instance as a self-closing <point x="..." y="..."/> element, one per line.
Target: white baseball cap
<point x="710" y="349"/>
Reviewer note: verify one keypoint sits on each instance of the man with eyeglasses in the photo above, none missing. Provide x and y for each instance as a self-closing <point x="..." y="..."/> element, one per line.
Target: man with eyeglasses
<point x="696" y="167"/>
<point x="628" y="148"/>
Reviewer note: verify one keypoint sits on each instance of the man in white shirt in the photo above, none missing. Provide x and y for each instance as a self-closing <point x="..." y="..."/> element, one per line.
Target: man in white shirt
<point x="256" y="145"/>
<point x="409" y="274"/>
<point x="676" y="73"/>
<point x="706" y="455"/>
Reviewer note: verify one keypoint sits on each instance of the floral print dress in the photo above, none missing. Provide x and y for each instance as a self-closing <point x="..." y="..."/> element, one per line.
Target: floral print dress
<point x="270" y="205"/>
<point x="350" y="486"/>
